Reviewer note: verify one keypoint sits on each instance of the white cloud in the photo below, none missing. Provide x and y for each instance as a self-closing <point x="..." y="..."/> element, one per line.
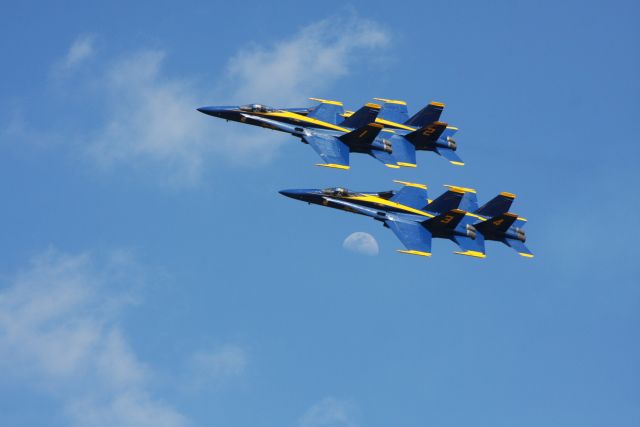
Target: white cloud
<point x="80" y="50"/>
<point x="218" y="365"/>
<point x="310" y="61"/>
<point x="361" y="242"/>
<point x="59" y="332"/>
<point x="330" y="412"/>
<point x="150" y="124"/>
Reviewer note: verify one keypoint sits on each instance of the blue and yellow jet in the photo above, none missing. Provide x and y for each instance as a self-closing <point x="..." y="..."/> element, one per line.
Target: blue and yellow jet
<point x="495" y="222"/>
<point x="437" y="136"/>
<point x="416" y="220"/>
<point x="334" y="134"/>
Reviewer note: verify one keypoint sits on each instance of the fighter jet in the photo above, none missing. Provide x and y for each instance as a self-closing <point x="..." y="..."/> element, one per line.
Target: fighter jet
<point x="413" y="218"/>
<point x="495" y="222"/>
<point x="317" y="127"/>
<point x="434" y="135"/>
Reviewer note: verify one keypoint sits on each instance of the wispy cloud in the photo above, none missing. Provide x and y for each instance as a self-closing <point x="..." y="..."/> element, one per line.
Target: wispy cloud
<point x="59" y="331"/>
<point x="80" y="50"/>
<point x="330" y="412"/>
<point x="146" y="119"/>
<point x="311" y="60"/>
<point x="362" y="243"/>
<point x="218" y="365"/>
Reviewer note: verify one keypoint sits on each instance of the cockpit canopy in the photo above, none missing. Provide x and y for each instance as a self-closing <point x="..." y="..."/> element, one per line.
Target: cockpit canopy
<point x="257" y="108"/>
<point x="336" y="191"/>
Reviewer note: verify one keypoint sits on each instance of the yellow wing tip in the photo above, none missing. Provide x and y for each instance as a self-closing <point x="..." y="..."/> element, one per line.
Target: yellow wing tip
<point x="389" y="165"/>
<point x="474" y="254"/>
<point x="509" y="195"/>
<point x="457" y="189"/>
<point x="411" y="184"/>
<point x="412" y="252"/>
<point x="457" y="163"/>
<point x="408" y="165"/>
<point x="437" y="104"/>
<point x="372" y="105"/>
<point x="327" y="101"/>
<point x="391" y="101"/>
<point x="526" y="255"/>
<point x="333" y="165"/>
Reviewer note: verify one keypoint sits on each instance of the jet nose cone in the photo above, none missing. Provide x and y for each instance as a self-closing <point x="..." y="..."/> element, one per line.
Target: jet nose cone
<point x="295" y="194"/>
<point x="210" y="111"/>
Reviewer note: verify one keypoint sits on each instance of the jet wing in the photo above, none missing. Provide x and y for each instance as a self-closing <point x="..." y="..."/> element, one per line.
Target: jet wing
<point x="334" y="152"/>
<point x="413" y="236"/>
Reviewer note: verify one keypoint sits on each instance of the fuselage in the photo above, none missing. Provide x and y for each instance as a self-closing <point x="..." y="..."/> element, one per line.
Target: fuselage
<point x="290" y="117"/>
<point x="377" y="205"/>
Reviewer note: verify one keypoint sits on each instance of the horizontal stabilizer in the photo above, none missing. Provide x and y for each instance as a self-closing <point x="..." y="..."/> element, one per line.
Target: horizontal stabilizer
<point x="327" y="111"/>
<point x="496" y="206"/>
<point x="426" y="137"/>
<point x="334" y="152"/>
<point x="471" y="247"/>
<point x="403" y="151"/>
<point x="386" y="158"/>
<point x="362" y="136"/>
<point x="450" y="155"/>
<point x="366" y="114"/>
<point x="519" y="247"/>
<point x="413" y="236"/>
<point x="429" y="114"/>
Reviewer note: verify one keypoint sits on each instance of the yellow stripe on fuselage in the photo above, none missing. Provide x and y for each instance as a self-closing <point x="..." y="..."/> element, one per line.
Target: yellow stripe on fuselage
<point x="301" y="118"/>
<point x="384" y="202"/>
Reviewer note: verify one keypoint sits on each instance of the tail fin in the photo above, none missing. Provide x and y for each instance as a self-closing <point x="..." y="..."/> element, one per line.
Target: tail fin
<point x="326" y="111"/>
<point x="446" y="221"/>
<point x="454" y="198"/>
<point x="403" y="151"/>
<point x="366" y="114"/>
<point x="426" y="137"/>
<point x="429" y="114"/>
<point x="393" y="111"/>
<point x="497" y="206"/>
<point x="412" y="195"/>
<point x="495" y="226"/>
<point x="364" y="135"/>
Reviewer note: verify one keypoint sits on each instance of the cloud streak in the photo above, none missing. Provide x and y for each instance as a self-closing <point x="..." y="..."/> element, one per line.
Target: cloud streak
<point x="330" y="412"/>
<point x="59" y="331"/>
<point x="146" y="121"/>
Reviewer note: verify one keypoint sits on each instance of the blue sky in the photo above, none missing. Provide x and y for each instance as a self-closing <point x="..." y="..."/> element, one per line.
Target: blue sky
<point x="151" y="274"/>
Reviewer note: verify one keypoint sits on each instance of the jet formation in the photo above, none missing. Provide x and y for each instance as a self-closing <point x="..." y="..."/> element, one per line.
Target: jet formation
<point x="416" y="220"/>
<point x="385" y="130"/>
